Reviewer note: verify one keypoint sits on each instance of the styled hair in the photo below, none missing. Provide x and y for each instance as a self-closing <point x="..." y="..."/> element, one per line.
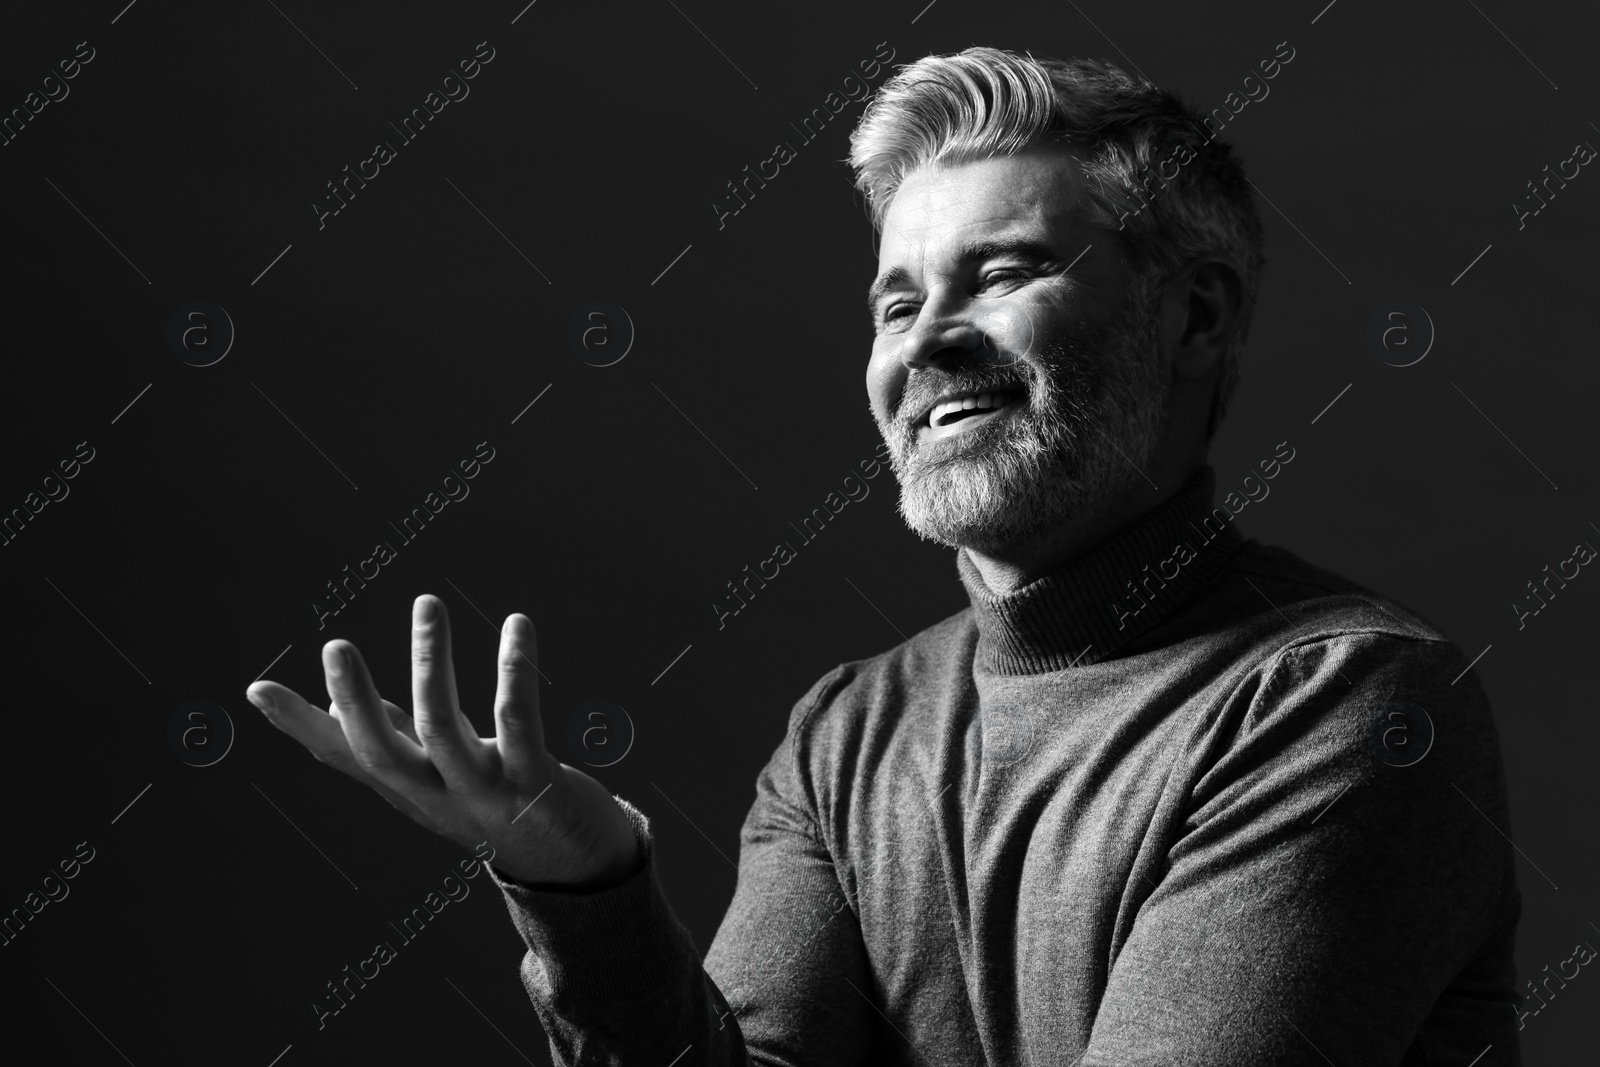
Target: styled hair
<point x="984" y="102"/>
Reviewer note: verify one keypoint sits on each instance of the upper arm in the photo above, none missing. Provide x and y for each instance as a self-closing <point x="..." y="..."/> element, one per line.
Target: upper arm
<point x="1320" y="898"/>
<point x="790" y="947"/>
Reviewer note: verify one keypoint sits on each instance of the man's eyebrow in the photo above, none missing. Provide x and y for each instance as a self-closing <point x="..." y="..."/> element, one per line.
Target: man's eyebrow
<point x="1019" y="247"/>
<point x="890" y="280"/>
<point x="995" y="248"/>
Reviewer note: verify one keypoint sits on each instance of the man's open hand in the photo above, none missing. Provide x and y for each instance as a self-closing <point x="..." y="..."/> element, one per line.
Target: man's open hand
<point x="549" y="824"/>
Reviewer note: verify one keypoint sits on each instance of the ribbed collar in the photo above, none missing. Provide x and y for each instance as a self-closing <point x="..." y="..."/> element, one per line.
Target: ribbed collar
<point x="1100" y="600"/>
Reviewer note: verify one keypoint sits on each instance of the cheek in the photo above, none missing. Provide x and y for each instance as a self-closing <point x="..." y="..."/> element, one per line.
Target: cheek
<point x="1010" y="333"/>
<point x="883" y="373"/>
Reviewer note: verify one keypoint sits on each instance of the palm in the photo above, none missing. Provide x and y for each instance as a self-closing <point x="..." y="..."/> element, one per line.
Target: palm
<point x="552" y="822"/>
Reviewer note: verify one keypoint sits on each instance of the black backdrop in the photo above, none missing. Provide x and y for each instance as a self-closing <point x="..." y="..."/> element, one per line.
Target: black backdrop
<point x="371" y="355"/>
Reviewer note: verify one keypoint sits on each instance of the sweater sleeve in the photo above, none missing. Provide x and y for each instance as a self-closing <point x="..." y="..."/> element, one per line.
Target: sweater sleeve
<point x="615" y="977"/>
<point x="1330" y="886"/>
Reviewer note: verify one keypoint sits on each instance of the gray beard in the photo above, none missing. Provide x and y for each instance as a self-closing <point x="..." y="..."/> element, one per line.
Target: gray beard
<point x="1096" y="413"/>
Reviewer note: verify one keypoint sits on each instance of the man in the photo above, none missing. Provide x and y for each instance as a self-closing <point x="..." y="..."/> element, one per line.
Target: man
<point x="1147" y="800"/>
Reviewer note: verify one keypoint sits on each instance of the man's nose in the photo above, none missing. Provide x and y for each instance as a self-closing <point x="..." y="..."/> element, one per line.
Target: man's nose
<point x="941" y="338"/>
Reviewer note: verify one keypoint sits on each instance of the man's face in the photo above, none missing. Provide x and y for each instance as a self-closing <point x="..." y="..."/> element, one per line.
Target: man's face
<point x="992" y="281"/>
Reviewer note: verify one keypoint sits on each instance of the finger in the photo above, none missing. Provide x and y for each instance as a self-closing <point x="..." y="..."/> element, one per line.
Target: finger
<point x="378" y="748"/>
<point x="400" y="719"/>
<point x="323" y="737"/>
<point x="311" y="726"/>
<point x="519" y="733"/>
<point x="317" y="731"/>
<point x="446" y="734"/>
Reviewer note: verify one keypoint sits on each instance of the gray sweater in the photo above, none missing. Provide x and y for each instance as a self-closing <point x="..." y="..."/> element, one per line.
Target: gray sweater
<point x="1186" y="800"/>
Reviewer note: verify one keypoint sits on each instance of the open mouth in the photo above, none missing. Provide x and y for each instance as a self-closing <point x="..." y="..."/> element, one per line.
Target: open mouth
<point x="962" y="413"/>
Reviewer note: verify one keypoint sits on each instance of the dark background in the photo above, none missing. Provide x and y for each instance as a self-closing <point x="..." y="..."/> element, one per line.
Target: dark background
<point x="408" y="330"/>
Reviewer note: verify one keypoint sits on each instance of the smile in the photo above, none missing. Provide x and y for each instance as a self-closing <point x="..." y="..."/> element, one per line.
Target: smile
<point x="960" y="414"/>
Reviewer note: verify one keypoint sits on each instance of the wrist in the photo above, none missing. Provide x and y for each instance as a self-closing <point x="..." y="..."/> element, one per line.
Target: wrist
<point x="616" y="862"/>
<point x="610" y="876"/>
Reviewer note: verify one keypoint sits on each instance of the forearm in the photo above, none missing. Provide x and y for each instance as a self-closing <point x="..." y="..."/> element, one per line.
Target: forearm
<point x="615" y="977"/>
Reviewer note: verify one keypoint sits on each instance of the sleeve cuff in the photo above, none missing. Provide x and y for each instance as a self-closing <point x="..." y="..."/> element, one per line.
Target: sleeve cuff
<point x="599" y="943"/>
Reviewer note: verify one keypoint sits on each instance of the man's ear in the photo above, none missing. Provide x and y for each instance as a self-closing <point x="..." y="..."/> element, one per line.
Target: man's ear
<point x="1209" y="293"/>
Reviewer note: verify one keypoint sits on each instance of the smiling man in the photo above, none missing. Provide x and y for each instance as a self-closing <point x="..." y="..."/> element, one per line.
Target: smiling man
<point x="1008" y="326"/>
<point x="1262" y="821"/>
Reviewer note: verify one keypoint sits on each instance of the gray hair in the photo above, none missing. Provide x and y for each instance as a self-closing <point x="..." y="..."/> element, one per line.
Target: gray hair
<point x="985" y="102"/>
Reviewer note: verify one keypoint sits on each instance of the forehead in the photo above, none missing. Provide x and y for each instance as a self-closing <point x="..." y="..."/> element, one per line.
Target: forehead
<point x="1037" y="190"/>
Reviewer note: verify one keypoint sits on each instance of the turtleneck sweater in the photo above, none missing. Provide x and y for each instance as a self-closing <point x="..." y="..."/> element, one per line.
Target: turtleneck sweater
<point x="1187" y="799"/>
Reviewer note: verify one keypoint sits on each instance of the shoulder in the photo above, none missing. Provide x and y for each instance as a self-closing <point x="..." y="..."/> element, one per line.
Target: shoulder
<point x="1275" y="612"/>
<point x="845" y="718"/>
<point x="884" y="680"/>
<point x="848" y="718"/>
<point x="1323" y="669"/>
<point x="1334" y="681"/>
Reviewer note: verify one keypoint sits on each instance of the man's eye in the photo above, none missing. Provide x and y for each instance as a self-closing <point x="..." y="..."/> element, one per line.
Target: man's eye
<point x="1005" y="274"/>
<point x="894" y="312"/>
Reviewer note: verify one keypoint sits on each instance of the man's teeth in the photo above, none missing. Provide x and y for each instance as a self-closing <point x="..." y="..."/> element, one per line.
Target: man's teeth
<point x="969" y="403"/>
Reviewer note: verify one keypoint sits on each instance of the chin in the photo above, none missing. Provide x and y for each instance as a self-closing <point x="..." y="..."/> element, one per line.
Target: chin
<point x="970" y="504"/>
<point x="1008" y="491"/>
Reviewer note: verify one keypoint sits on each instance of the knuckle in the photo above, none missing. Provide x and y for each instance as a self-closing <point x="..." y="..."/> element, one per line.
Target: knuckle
<point x="521" y="779"/>
<point x="437" y="742"/>
<point x="514" y="660"/>
<point x="373" y="761"/>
